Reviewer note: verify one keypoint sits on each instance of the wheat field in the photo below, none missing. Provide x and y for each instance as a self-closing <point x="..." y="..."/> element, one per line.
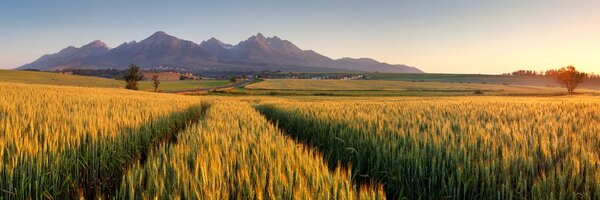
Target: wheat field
<point x="459" y="148"/>
<point x="234" y="153"/>
<point x="62" y="142"/>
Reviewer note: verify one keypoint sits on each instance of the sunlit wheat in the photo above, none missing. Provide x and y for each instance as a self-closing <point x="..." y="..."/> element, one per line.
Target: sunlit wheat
<point x="471" y="147"/>
<point x="234" y="153"/>
<point x="64" y="142"/>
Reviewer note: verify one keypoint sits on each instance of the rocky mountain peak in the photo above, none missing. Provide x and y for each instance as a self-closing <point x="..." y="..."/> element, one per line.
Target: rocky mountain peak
<point x="160" y="49"/>
<point x="160" y="36"/>
<point x="95" y="44"/>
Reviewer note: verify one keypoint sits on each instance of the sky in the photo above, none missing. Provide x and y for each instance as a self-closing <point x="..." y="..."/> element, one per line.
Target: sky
<point x="439" y="36"/>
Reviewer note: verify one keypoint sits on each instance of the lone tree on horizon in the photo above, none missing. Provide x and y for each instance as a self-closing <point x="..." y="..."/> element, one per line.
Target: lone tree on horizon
<point x="132" y="76"/>
<point x="155" y="82"/>
<point x="570" y="77"/>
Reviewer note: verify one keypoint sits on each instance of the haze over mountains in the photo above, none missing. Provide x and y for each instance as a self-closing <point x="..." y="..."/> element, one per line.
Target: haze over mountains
<point x="256" y="53"/>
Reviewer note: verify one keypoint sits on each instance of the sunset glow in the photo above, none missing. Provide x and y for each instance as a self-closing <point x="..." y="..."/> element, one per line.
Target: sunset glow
<point x="437" y="37"/>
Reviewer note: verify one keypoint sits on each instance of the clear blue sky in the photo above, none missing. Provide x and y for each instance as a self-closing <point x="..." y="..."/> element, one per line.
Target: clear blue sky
<point x="436" y="36"/>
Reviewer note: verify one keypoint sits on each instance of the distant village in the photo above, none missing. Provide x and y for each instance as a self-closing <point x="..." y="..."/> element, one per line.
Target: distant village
<point x="168" y="74"/>
<point x="315" y="76"/>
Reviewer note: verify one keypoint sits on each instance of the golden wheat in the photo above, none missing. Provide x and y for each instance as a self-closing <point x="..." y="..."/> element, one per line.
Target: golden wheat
<point x="234" y="153"/>
<point x="69" y="142"/>
<point x="64" y="142"/>
<point x="481" y="148"/>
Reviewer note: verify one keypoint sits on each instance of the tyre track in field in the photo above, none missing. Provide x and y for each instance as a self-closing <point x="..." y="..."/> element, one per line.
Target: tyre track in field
<point x="110" y="182"/>
<point x="346" y="154"/>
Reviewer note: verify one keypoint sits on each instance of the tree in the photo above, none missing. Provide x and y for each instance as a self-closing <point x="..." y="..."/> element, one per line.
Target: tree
<point x="155" y="82"/>
<point x="233" y="79"/>
<point x="570" y="77"/>
<point x="132" y="76"/>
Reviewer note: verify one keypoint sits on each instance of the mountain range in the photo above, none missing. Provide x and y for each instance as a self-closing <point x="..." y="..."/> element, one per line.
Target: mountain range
<point x="254" y="54"/>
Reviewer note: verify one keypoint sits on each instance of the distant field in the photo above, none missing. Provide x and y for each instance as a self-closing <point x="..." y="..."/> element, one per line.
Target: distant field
<point x="88" y="81"/>
<point x="479" y="78"/>
<point x="467" y="78"/>
<point x="383" y="86"/>
<point x="56" y="79"/>
<point x="182" y="85"/>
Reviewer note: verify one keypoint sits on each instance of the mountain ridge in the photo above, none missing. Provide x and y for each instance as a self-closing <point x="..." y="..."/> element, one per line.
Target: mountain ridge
<point x="161" y="49"/>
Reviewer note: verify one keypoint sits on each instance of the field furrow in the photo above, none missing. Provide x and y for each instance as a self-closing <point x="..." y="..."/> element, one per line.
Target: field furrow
<point x="234" y="153"/>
